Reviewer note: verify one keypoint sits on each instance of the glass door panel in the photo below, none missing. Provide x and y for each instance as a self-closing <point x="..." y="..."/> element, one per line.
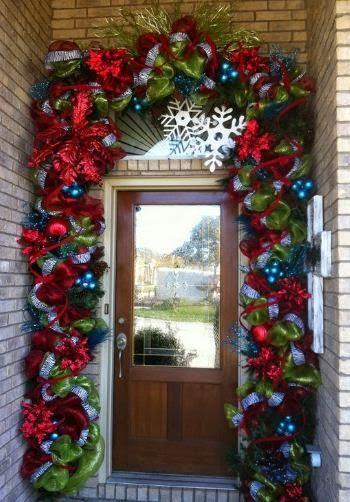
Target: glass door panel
<point x="176" y="288"/>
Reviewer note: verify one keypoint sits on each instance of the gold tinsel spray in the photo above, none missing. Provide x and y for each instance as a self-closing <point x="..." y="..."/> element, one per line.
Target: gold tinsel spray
<point x="216" y="20"/>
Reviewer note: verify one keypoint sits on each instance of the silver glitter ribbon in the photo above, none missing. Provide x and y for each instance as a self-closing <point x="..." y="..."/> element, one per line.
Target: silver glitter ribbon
<point x="102" y="228"/>
<point x="277" y="185"/>
<point x="264" y="89"/>
<point x="83" y="395"/>
<point x="315" y="455"/>
<point x="41" y="178"/>
<point x="207" y="49"/>
<point x="262" y="259"/>
<point x="96" y="88"/>
<point x="237" y="184"/>
<point x="286" y="240"/>
<point x="152" y="55"/>
<point x="58" y="56"/>
<point x="273" y="309"/>
<point x="45" y="395"/>
<point x="81" y="258"/>
<point x="263" y="220"/>
<point x="140" y="79"/>
<point x="38" y="304"/>
<point x="40" y="471"/>
<point x="179" y="36"/>
<point x="246" y="290"/>
<point x="123" y="95"/>
<point x="276" y="399"/>
<point x="297" y="355"/>
<point x="46" y="107"/>
<point x="295" y="319"/>
<point x="257" y="76"/>
<point x="237" y="419"/>
<point x="109" y="139"/>
<point x="252" y="398"/>
<point x="83" y="437"/>
<point x="48" y="266"/>
<point x="208" y="82"/>
<point x="75" y="224"/>
<point x="254" y="488"/>
<point x="285" y="449"/>
<point x="90" y="411"/>
<point x="46" y="445"/>
<point x="296" y="165"/>
<point x="55" y="326"/>
<point x="39" y="208"/>
<point x="247" y="201"/>
<point x="47" y="365"/>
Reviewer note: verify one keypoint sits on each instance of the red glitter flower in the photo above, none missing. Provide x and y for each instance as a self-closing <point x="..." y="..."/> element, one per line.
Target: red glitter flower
<point x="252" y="144"/>
<point x="112" y="69"/>
<point x="74" y="352"/>
<point x="247" y="62"/>
<point x="266" y="364"/>
<point x="37" y="421"/>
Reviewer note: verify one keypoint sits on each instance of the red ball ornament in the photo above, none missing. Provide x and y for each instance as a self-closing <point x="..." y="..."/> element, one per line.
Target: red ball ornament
<point x="57" y="228"/>
<point x="260" y="334"/>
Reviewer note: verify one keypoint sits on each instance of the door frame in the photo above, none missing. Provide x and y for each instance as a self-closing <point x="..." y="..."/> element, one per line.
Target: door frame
<point x="112" y="184"/>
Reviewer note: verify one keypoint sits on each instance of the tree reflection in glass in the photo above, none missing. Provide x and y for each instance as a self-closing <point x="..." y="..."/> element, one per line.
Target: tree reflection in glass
<point x="177" y="285"/>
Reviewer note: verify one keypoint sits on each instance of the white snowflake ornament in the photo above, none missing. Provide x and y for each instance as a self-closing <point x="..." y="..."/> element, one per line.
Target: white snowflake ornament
<point x="211" y="135"/>
<point x="191" y="132"/>
<point x="178" y="122"/>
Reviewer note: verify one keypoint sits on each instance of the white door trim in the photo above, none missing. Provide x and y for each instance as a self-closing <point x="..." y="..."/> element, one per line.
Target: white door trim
<point x="111" y="185"/>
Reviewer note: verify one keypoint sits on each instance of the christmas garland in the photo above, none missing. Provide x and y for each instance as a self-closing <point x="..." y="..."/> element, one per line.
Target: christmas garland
<point x="75" y="145"/>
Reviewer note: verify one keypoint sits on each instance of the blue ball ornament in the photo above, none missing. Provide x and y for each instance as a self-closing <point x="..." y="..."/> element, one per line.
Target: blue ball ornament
<point x="271" y="279"/>
<point x="309" y="185"/>
<point x="302" y="194"/>
<point x="85" y="284"/>
<point x="54" y="436"/>
<point x="92" y="285"/>
<point x="224" y="78"/>
<point x="78" y="281"/>
<point x="137" y="107"/>
<point x="88" y="276"/>
<point x="291" y="428"/>
<point x="225" y="66"/>
<point x="233" y="74"/>
<point x="274" y="270"/>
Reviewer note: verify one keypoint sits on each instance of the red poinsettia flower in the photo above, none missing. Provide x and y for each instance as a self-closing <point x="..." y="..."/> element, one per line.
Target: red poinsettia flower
<point x="266" y="364"/>
<point x="112" y="69"/>
<point x="37" y="421"/>
<point x="247" y="61"/>
<point x="74" y="353"/>
<point x="32" y="240"/>
<point x="252" y="143"/>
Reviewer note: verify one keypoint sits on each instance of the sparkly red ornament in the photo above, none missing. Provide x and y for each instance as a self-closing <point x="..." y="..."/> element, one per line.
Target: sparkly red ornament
<point x="260" y="334"/>
<point x="57" y="227"/>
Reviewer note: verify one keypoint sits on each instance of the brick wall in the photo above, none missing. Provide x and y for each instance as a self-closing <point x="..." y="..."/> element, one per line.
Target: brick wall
<point x="24" y="34"/>
<point x="329" y="61"/>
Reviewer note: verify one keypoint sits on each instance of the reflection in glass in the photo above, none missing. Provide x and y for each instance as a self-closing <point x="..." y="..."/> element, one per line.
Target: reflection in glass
<point x="177" y="285"/>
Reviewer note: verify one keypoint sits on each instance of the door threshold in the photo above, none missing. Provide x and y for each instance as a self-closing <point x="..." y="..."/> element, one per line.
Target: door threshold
<point x="172" y="480"/>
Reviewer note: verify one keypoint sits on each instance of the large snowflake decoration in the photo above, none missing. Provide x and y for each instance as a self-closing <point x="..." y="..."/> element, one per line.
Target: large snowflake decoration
<point x="191" y="132"/>
<point x="178" y="122"/>
<point x="212" y="135"/>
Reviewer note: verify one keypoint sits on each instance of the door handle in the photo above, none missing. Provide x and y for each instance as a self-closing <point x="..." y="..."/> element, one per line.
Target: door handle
<point x="121" y="344"/>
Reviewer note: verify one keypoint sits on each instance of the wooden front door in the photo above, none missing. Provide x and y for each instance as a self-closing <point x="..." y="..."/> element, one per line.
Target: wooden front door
<point x="175" y="302"/>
